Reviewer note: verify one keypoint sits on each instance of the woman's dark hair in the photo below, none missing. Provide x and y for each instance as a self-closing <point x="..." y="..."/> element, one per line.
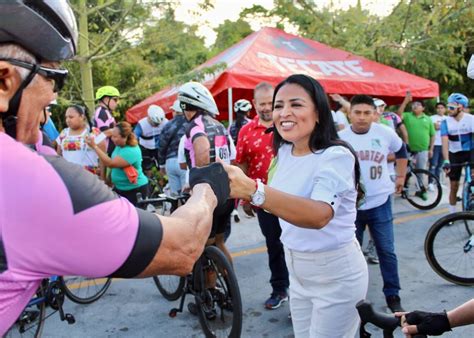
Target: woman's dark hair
<point x="126" y="131"/>
<point x="82" y="110"/>
<point x="324" y="134"/>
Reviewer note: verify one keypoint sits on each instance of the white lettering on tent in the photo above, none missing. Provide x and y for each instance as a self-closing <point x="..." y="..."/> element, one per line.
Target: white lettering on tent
<point x="317" y="68"/>
<point x="327" y="68"/>
<point x="273" y="60"/>
<point x="290" y="64"/>
<point x="356" y="67"/>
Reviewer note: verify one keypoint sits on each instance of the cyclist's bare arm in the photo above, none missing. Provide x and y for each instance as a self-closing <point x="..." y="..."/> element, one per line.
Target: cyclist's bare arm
<point x="462" y="315"/>
<point x="185" y="233"/>
<point x="403" y="133"/>
<point x="202" y="148"/>
<point x="445" y="147"/>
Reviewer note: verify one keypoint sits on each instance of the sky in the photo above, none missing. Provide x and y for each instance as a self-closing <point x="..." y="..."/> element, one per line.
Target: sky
<point x="230" y="10"/>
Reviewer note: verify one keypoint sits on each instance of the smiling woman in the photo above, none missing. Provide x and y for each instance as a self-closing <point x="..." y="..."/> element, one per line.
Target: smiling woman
<point x="313" y="190"/>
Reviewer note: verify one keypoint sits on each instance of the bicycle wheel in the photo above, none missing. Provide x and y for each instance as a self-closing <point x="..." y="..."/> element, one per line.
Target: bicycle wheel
<point x="416" y="189"/>
<point x="219" y="307"/>
<point x="83" y="290"/>
<point x="31" y="321"/>
<point x="171" y="287"/>
<point x="449" y="248"/>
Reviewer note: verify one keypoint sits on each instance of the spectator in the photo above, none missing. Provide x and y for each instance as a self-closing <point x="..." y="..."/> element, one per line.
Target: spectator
<point x="71" y="142"/>
<point x="125" y="163"/>
<point x="339" y="115"/>
<point x="148" y="132"/>
<point x="170" y="135"/>
<point x="313" y="191"/>
<point x="254" y="154"/>
<point x="437" y="159"/>
<point x="391" y="119"/>
<point x="373" y="143"/>
<point x="242" y="109"/>
<point x="421" y="132"/>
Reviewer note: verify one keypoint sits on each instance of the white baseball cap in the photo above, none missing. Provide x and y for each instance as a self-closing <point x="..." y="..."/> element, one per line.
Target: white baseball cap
<point x="379" y="102"/>
<point x="176" y="107"/>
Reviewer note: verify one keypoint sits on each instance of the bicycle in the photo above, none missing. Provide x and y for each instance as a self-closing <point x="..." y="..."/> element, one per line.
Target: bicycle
<point x="449" y="248"/>
<point x="218" y="303"/>
<point x="416" y="191"/>
<point x="84" y="290"/>
<point x="388" y="323"/>
<point x="31" y="321"/>
<point x="468" y="186"/>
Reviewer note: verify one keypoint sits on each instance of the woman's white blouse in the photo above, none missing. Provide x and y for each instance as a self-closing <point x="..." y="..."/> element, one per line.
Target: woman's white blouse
<point x="326" y="176"/>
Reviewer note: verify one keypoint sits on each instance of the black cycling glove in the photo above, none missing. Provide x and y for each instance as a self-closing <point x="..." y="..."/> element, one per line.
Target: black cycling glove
<point x="215" y="175"/>
<point x="429" y="323"/>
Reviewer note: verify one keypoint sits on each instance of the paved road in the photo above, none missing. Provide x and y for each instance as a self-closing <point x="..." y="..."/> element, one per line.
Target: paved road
<point x="136" y="309"/>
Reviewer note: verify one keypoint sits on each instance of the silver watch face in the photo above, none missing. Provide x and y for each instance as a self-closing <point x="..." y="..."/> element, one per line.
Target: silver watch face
<point x="258" y="199"/>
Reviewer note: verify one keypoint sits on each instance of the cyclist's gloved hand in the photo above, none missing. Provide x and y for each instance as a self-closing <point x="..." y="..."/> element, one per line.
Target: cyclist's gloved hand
<point x="446" y="165"/>
<point x="215" y="175"/>
<point x="429" y="323"/>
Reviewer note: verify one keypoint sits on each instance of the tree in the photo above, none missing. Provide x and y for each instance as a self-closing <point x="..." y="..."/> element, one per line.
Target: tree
<point x="229" y="33"/>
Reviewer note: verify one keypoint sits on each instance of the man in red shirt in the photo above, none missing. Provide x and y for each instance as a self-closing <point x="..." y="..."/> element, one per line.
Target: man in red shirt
<point x="254" y="154"/>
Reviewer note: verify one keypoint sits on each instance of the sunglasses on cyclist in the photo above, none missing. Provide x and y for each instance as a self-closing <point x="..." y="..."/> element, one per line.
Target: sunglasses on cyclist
<point x="56" y="75"/>
<point x="451" y="107"/>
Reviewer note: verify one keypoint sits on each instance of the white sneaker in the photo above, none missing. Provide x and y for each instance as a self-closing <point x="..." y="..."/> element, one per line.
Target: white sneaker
<point x="431" y="187"/>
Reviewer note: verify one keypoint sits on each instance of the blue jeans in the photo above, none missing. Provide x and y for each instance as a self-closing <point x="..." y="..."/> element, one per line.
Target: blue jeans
<point x="379" y="220"/>
<point x="176" y="175"/>
<point x="270" y="226"/>
<point x="436" y="161"/>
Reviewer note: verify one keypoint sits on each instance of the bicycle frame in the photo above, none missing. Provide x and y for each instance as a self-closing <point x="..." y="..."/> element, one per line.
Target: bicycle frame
<point x="467" y="184"/>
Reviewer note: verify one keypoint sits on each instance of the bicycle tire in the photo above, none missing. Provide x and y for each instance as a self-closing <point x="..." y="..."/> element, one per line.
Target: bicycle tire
<point x="170" y="287"/>
<point x="424" y="176"/>
<point x="31" y="329"/>
<point x="74" y="287"/>
<point x="441" y="251"/>
<point x="224" y="297"/>
<point x="467" y="198"/>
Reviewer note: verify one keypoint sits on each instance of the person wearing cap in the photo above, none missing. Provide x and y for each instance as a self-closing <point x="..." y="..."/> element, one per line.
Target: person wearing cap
<point x="391" y="120"/>
<point x="148" y="131"/>
<point x="168" y="149"/>
<point x="96" y="232"/>
<point x="421" y="131"/>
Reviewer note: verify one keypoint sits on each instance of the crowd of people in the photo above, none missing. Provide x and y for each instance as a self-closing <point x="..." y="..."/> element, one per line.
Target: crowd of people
<point x="316" y="178"/>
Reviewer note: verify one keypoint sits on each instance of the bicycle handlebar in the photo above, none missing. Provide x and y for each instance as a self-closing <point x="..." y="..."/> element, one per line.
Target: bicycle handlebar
<point x="461" y="164"/>
<point x="388" y="323"/>
<point x="162" y="198"/>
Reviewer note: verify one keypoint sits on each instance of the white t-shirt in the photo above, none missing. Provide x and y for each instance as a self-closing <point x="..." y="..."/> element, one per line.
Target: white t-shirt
<point x="182" y="156"/>
<point x="340" y="118"/>
<point x="75" y="150"/>
<point x="372" y="149"/>
<point x="470" y="67"/>
<point x="437" y="118"/>
<point x="326" y="176"/>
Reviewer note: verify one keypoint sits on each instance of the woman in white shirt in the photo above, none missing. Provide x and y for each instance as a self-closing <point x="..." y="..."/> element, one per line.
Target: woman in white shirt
<point x="71" y="141"/>
<point x="313" y="190"/>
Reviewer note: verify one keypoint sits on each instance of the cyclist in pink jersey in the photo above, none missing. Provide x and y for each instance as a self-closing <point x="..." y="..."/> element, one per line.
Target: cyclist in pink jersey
<point x="96" y="233"/>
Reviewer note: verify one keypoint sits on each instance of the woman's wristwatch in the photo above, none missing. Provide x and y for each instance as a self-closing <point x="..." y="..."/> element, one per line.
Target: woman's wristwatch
<point x="258" y="197"/>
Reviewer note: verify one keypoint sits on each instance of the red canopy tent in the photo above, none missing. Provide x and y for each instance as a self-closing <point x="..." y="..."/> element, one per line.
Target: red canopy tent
<point x="271" y="55"/>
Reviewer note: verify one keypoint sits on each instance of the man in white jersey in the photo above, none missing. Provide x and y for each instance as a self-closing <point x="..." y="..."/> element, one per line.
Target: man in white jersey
<point x="436" y="161"/>
<point x="456" y="136"/>
<point x="372" y="144"/>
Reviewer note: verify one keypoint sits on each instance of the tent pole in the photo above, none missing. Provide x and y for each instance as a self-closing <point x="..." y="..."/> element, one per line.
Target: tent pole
<point x="229" y="102"/>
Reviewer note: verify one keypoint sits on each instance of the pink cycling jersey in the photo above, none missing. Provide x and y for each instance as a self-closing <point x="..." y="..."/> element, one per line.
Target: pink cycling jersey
<point x="58" y="219"/>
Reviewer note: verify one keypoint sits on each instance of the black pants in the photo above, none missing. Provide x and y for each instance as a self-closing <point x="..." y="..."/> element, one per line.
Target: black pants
<point x="131" y="195"/>
<point x="270" y="227"/>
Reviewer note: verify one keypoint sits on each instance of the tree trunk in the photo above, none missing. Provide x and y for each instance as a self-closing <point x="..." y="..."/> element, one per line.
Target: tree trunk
<point x="83" y="58"/>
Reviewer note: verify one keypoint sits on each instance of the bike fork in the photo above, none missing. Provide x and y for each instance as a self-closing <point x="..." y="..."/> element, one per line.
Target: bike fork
<point x="469" y="244"/>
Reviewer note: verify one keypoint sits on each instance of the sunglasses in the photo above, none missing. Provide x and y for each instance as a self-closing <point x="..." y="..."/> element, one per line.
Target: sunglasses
<point x="56" y="75"/>
<point x="451" y="107"/>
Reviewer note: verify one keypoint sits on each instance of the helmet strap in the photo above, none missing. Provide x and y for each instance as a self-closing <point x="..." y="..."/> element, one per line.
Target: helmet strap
<point x="9" y="118"/>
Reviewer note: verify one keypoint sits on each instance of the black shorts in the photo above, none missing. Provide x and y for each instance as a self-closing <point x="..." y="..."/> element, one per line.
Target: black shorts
<point x="221" y="218"/>
<point x="149" y="156"/>
<point x="457" y="158"/>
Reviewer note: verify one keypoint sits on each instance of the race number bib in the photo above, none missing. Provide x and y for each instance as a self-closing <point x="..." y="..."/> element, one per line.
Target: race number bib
<point x="222" y="148"/>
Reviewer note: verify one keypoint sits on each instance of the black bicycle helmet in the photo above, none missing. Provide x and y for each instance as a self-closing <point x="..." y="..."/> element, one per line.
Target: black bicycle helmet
<point x="46" y="28"/>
